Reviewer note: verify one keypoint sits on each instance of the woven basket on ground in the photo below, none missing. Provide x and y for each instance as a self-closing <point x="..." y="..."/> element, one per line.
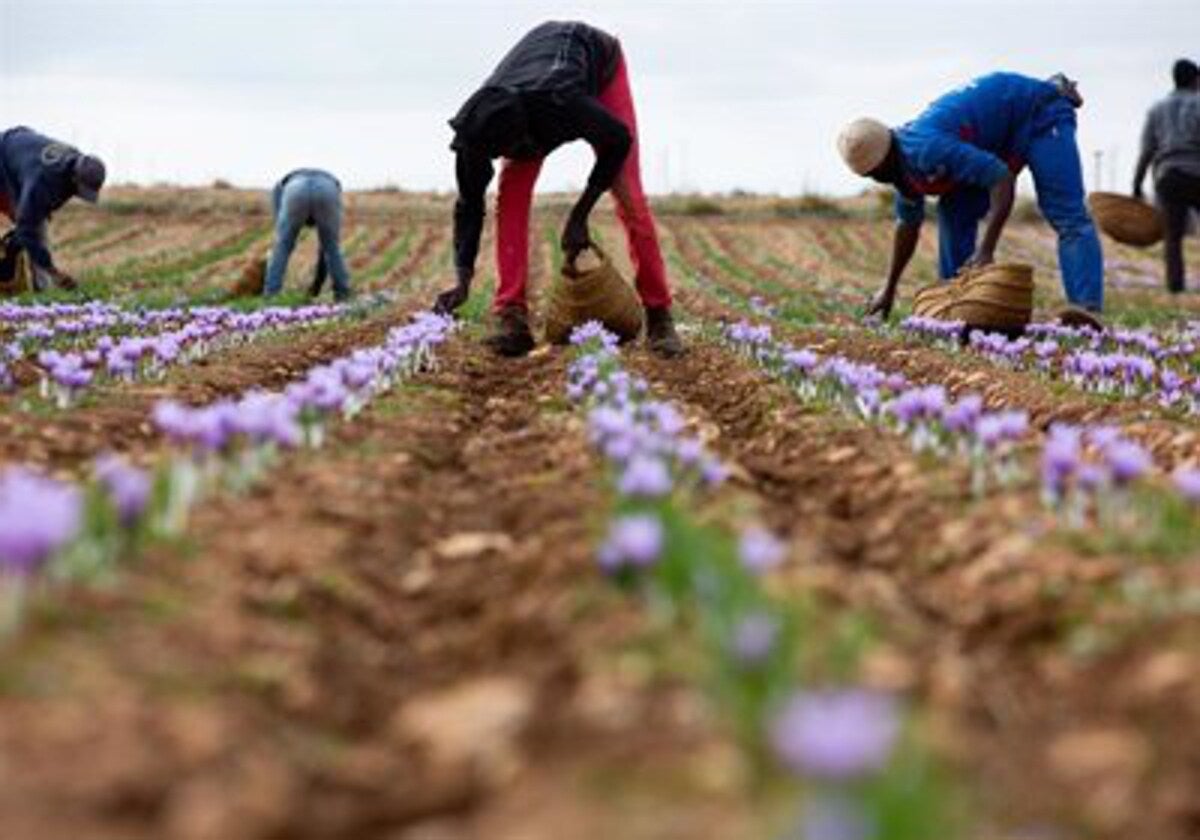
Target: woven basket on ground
<point x="1126" y="219"/>
<point x="935" y="301"/>
<point x="592" y="289"/>
<point x="996" y="297"/>
<point x="253" y="279"/>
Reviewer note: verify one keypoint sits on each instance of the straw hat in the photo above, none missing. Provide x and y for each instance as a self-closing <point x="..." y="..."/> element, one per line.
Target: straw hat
<point x="864" y="144"/>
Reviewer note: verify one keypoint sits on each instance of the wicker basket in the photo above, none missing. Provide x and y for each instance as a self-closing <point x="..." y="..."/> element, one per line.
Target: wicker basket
<point x="253" y="279"/>
<point x="995" y="297"/>
<point x="935" y="301"/>
<point x="592" y="289"/>
<point x="1127" y="220"/>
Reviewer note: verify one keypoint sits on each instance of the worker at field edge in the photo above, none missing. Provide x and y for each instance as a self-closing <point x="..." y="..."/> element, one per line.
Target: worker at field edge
<point x="967" y="148"/>
<point x="1171" y="142"/>
<point x="561" y="82"/>
<point x="38" y="175"/>
<point x="308" y="198"/>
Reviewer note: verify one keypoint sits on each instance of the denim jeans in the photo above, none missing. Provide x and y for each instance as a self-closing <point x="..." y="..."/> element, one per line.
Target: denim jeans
<point x="316" y="200"/>
<point x="1058" y="180"/>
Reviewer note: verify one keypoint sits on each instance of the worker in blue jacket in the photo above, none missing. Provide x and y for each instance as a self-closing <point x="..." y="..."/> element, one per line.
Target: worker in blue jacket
<point x="967" y="148"/>
<point x="38" y="175"/>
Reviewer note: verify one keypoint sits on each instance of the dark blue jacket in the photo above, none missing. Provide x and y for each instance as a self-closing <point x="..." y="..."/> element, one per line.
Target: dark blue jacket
<point x="37" y="176"/>
<point x="974" y="136"/>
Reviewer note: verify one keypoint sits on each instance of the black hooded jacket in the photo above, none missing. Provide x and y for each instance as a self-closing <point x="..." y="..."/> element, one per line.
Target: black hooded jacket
<point x="543" y="94"/>
<point x="37" y="175"/>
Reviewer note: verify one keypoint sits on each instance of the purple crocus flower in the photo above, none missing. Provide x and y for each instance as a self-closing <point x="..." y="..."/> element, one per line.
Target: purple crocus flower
<point x="753" y="638"/>
<point x="1060" y="459"/>
<point x="38" y="517"/>
<point x="1187" y="482"/>
<point x="1127" y="461"/>
<point x="127" y="486"/>
<point x="760" y="550"/>
<point x="836" y="734"/>
<point x="960" y="418"/>
<point x="645" y="477"/>
<point x="634" y="541"/>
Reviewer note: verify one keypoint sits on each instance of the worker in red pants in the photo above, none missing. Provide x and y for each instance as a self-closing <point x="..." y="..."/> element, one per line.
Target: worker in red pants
<point x="561" y="82"/>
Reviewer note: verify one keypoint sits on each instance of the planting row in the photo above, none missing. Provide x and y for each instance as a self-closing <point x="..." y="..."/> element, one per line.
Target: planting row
<point x="52" y="530"/>
<point x="1085" y="472"/>
<point x="792" y="701"/>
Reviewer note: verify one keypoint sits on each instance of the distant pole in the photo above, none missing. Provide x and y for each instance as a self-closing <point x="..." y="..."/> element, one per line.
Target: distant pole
<point x="1099" y="155"/>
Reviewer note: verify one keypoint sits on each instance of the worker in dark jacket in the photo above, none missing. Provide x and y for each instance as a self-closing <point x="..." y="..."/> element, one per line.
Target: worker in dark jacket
<point x="1171" y="142"/>
<point x="38" y="175"/>
<point x="967" y="148"/>
<point x="561" y="82"/>
<point x="312" y="198"/>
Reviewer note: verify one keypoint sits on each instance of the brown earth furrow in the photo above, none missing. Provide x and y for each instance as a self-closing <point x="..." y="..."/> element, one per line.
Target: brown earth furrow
<point x="438" y="550"/>
<point x="117" y="418"/>
<point x="979" y="598"/>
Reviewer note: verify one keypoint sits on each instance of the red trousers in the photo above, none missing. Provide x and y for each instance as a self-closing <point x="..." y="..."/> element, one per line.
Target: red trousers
<point x="517" y="179"/>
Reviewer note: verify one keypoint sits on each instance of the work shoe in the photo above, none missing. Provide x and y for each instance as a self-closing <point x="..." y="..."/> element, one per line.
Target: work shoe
<point x="660" y="332"/>
<point x="342" y="297"/>
<point x="1075" y="316"/>
<point x="512" y="336"/>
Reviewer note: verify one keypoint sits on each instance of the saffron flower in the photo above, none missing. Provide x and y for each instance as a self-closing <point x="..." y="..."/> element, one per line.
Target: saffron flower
<point x="38" y="517"/>
<point x="127" y="487"/>
<point x="634" y="541"/>
<point x="760" y="550"/>
<point x="836" y="734"/>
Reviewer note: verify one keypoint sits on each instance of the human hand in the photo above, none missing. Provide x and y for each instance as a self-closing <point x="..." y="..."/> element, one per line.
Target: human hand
<point x="881" y="303"/>
<point x="575" y="238"/>
<point x="980" y="259"/>
<point x="65" y="281"/>
<point x="448" y="302"/>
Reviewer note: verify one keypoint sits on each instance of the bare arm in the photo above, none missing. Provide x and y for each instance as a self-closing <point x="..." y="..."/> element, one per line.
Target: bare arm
<point x="904" y="245"/>
<point x="1002" y="196"/>
<point x="611" y="140"/>
<point x="474" y="172"/>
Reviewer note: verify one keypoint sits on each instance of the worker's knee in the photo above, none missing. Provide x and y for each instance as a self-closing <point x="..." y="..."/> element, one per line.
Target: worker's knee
<point x="1068" y="219"/>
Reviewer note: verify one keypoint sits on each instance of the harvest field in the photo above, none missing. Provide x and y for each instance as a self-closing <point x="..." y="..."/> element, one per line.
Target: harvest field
<point x="813" y="570"/>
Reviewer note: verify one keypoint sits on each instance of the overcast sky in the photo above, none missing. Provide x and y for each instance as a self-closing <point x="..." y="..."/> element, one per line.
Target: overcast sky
<point x="729" y="94"/>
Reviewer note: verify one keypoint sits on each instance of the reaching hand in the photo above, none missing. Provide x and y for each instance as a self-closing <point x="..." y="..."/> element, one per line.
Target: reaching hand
<point x="575" y="238"/>
<point x="65" y="281"/>
<point x="449" y="301"/>
<point x="881" y="303"/>
<point x="980" y="259"/>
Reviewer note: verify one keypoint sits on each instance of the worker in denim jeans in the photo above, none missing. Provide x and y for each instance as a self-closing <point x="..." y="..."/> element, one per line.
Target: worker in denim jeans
<point x="313" y="198"/>
<point x="967" y="148"/>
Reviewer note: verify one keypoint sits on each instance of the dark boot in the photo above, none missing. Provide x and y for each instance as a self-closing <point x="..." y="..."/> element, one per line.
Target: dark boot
<point x="512" y="336"/>
<point x="660" y="332"/>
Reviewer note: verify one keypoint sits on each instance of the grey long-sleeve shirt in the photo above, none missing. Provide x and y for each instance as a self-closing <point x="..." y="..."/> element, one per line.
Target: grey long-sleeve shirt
<point x="1171" y="136"/>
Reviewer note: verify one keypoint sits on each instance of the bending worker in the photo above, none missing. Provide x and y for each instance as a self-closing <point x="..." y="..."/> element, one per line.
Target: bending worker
<point x="1171" y="141"/>
<point x="967" y="148"/>
<point x="312" y="198"/>
<point x="39" y="175"/>
<point x="561" y="82"/>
